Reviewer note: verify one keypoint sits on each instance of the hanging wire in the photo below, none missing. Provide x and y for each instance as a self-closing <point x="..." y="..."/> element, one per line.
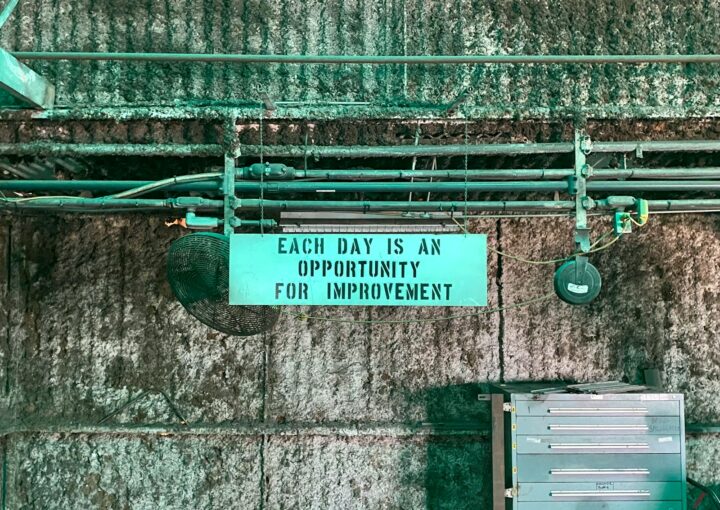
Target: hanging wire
<point x="262" y="177"/>
<point x="465" y="219"/>
<point x="414" y="160"/>
<point x="538" y="299"/>
<point x="593" y="248"/>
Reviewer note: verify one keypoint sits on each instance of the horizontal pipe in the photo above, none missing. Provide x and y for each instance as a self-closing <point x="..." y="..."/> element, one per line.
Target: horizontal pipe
<point x="684" y="205"/>
<point x="71" y="203"/>
<point x="100" y="186"/>
<point x="358" y="151"/>
<point x="397" y="187"/>
<point x="364" y="186"/>
<point x="656" y="173"/>
<point x="667" y="185"/>
<point x="459" y="205"/>
<point x="471" y="186"/>
<point x="368" y="205"/>
<point x="369" y="174"/>
<point x="109" y="149"/>
<point x="369" y="59"/>
<point x="476" y="174"/>
<point x="404" y="151"/>
<point x="658" y="146"/>
<point x="494" y="149"/>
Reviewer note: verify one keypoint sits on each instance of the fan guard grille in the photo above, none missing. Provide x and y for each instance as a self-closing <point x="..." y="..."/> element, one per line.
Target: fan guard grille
<point x="198" y="271"/>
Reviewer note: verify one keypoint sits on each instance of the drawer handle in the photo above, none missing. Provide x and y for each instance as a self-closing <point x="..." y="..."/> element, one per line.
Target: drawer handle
<point x="598" y="410"/>
<point x="600" y="472"/>
<point x="600" y="494"/>
<point x="600" y="428"/>
<point x="599" y="446"/>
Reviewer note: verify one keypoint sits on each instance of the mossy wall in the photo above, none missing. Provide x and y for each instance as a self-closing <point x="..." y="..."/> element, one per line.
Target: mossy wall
<point x="412" y="27"/>
<point x="114" y="397"/>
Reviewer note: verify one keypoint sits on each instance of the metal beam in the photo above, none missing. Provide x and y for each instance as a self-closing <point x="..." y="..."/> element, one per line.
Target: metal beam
<point x="24" y="84"/>
<point x="7" y="11"/>
<point x="109" y="149"/>
<point x="369" y="59"/>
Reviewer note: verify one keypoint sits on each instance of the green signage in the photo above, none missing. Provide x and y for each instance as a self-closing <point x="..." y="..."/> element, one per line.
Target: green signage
<point x="358" y="269"/>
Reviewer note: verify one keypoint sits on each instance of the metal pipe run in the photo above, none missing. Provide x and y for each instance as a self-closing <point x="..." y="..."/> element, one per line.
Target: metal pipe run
<point x="100" y="149"/>
<point x="479" y="174"/>
<point x="684" y="205"/>
<point x="441" y="206"/>
<point x="658" y="146"/>
<point x="610" y="204"/>
<point x="77" y="203"/>
<point x="349" y="151"/>
<point x="362" y="186"/>
<point x="404" y="151"/>
<point x="474" y="174"/>
<point x="369" y="59"/>
<point x="101" y="186"/>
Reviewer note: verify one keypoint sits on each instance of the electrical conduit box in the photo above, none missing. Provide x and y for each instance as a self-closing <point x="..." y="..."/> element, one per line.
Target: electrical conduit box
<point x="555" y="449"/>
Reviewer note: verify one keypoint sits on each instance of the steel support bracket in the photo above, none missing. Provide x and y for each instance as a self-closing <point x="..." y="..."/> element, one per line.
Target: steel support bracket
<point x="229" y="195"/>
<point x="578" y="188"/>
<point x="21" y="86"/>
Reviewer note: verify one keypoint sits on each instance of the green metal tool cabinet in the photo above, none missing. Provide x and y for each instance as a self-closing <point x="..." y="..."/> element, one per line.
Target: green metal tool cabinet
<point x="570" y="451"/>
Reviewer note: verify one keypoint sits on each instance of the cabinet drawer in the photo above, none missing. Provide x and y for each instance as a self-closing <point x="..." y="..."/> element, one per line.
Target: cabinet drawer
<point x="589" y="408"/>
<point x="584" y="425"/>
<point x="604" y="505"/>
<point x="619" y="445"/>
<point x="599" y="468"/>
<point x="601" y="491"/>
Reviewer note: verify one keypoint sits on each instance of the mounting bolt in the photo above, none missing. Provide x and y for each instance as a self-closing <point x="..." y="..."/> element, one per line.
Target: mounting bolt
<point x="587" y="203"/>
<point x="586" y="145"/>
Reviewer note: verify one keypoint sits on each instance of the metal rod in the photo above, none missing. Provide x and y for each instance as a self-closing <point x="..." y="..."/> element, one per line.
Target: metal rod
<point x="363" y="151"/>
<point x="363" y="186"/>
<point x="397" y="187"/>
<point x="658" y="146"/>
<point x="404" y="151"/>
<point x="357" y="151"/>
<point x="668" y="185"/>
<point x="370" y="174"/>
<point x="540" y="173"/>
<point x="99" y="186"/>
<point x="77" y="149"/>
<point x="317" y="205"/>
<point x="656" y="173"/>
<point x="684" y="205"/>
<point x="370" y="59"/>
<point x="7" y="11"/>
<point x="72" y="203"/>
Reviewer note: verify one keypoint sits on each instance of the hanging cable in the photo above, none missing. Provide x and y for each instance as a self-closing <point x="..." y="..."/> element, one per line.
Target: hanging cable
<point x="465" y="212"/>
<point x="262" y="178"/>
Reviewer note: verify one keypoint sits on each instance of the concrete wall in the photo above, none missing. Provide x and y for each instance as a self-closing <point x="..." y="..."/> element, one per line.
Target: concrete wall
<point x="116" y="398"/>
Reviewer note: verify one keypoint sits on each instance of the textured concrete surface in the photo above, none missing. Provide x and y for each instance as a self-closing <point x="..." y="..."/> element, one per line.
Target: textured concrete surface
<point x="391" y="27"/>
<point x="103" y="369"/>
<point x="113" y="397"/>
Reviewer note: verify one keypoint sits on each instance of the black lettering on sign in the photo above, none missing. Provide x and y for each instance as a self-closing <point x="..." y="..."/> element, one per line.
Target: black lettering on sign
<point x="433" y="249"/>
